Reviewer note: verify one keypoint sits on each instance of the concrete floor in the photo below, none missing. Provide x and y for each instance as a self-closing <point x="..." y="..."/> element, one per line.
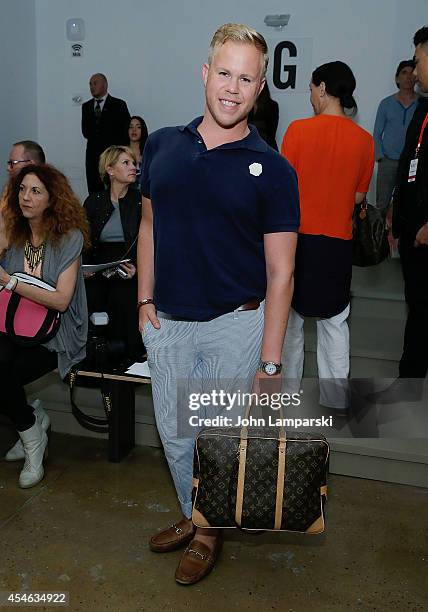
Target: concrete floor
<point x="85" y="528"/>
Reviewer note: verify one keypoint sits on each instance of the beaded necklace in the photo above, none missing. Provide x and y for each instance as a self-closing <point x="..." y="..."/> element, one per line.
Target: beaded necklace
<point x="34" y="255"/>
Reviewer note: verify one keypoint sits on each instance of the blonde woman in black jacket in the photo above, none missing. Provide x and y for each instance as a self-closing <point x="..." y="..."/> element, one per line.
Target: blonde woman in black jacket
<point x="114" y="218"/>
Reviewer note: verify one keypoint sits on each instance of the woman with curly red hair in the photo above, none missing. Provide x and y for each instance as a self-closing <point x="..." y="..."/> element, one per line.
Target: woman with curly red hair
<point x="46" y="230"/>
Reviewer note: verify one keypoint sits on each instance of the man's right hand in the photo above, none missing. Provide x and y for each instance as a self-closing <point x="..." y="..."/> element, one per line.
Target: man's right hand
<point x="147" y="313"/>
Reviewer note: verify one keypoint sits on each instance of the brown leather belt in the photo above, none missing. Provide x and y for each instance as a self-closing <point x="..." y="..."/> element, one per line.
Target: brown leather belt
<point x="251" y="305"/>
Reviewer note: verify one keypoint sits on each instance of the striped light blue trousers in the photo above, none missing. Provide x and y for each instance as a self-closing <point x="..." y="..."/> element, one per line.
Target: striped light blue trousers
<point x="222" y="353"/>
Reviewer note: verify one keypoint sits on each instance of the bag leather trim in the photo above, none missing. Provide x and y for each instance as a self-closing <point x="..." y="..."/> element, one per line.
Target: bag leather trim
<point x="317" y="526"/>
<point x="198" y="519"/>
<point x="280" y="483"/>
<point x="241" y="480"/>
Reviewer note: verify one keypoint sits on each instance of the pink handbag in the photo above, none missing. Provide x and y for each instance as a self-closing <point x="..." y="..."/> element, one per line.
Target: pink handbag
<point x="26" y="322"/>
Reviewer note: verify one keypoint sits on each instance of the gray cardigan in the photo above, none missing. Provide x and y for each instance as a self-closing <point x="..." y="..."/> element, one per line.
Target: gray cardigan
<point x="70" y="340"/>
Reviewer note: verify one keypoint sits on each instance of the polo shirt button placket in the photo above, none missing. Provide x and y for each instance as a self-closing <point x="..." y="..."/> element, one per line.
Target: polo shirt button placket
<point x="200" y="148"/>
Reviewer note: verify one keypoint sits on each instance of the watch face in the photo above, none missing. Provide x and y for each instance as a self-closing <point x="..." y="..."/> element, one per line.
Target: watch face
<point x="270" y="368"/>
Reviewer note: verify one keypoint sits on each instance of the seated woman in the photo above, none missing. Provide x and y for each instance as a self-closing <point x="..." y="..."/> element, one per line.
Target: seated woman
<point x="114" y="218"/>
<point x="46" y="230"/>
<point x="138" y="134"/>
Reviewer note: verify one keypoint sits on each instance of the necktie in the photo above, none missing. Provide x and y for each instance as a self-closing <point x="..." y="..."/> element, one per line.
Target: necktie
<point x="98" y="111"/>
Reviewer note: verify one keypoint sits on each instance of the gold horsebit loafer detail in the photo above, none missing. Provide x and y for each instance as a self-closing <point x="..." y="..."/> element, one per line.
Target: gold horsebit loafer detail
<point x="177" y="535"/>
<point x="197" y="561"/>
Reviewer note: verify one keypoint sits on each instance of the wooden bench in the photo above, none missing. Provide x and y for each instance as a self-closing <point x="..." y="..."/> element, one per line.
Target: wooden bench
<point x="120" y="411"/>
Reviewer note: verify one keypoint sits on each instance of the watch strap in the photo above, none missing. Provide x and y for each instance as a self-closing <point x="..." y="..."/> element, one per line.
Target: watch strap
<point x="264" y="366"/>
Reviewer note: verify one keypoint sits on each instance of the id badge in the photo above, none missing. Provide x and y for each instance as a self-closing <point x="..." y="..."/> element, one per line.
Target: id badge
<point x="412" y="170"/>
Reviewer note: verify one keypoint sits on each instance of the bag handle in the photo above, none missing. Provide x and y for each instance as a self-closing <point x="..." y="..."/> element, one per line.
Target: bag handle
<point x="35" y="281"/>
<point x="244" y="428"/>
<point x="242" y="462"/>
<point x="96" y="424"/>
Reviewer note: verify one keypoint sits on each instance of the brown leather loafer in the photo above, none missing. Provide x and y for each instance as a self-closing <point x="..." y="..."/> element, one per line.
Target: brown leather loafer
<point x="197" y="561"/>
<point x="179" y="534"/>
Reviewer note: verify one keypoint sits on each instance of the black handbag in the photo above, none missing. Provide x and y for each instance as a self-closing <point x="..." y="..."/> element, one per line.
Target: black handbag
<point x="260" y="478"/>
<point x="370" y="236"/>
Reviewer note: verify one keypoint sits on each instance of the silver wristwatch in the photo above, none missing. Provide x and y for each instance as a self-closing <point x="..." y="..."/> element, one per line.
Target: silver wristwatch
<point x="269" y="367"/>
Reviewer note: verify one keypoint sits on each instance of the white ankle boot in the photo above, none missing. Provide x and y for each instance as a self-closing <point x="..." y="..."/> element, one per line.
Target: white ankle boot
<point x="35" y="442"/>
<point x="16" y="453"/>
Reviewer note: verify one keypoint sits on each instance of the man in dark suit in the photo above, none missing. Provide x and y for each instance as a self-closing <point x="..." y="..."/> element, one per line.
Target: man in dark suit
<point x="410" y="223"/>
<point x="105" y="122"/>
<point x="410" y="226"/>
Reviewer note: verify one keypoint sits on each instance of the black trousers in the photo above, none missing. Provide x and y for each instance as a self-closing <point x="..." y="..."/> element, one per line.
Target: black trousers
<point x="117" y="297"/>
<point x="93" y="178"/>
<point x="18" y="367"/>
<point x="414" y="262"/>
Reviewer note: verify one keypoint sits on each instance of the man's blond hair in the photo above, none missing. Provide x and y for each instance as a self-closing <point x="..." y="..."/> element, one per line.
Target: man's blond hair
<point x="239" y="33"/>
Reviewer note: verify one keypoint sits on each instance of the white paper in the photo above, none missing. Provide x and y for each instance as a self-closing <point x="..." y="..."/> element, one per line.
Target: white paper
<point x="139" y="369"/>
<point x="104" y="266"/>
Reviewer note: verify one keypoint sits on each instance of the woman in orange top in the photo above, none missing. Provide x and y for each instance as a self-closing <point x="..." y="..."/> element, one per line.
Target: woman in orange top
<point x="334" y="159"/>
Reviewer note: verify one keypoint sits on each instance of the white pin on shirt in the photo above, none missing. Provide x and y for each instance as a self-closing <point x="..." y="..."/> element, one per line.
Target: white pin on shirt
<point x="255" y="169"/>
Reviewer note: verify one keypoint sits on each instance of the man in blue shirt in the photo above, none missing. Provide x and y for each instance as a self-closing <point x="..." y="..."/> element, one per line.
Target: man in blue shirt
<point x="392" y="120"/>
<point x="215" y="262"/>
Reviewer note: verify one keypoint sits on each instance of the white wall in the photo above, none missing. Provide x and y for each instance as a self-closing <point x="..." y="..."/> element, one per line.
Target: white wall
<point x="18" y="76"/>
<point x="152" y="53"/>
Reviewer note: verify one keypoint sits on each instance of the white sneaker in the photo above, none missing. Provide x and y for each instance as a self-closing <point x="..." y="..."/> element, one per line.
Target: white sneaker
<point x="16" y="453"/>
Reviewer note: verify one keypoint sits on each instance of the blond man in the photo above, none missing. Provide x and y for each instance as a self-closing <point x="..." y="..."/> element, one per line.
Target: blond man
<point x="215" y="262"/>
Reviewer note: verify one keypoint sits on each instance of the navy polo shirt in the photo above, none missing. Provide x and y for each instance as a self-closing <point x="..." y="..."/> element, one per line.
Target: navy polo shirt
<point x="211" y="209"/>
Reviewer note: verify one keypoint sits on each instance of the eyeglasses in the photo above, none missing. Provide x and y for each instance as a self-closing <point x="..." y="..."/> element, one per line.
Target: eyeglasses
<point x="13" y="162"/>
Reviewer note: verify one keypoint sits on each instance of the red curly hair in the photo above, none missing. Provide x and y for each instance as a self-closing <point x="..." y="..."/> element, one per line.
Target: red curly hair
<point x="65" y="213"/>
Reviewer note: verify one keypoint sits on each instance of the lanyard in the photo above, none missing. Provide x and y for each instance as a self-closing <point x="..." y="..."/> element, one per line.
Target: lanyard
<point x="421" y="135"/>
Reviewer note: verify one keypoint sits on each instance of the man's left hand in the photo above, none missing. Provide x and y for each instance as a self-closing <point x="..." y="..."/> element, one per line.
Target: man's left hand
<point x="422" y="236"/>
